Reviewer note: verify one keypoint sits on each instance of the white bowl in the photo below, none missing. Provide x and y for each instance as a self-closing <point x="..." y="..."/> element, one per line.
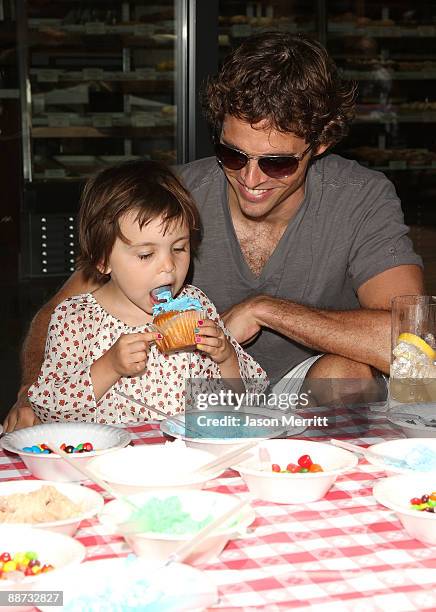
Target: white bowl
<point x="90" y="502"/>
<point x="140" y="468"/>
<point x="199" y="504"/>
<point x="183" y="588"/>
<point x="396" y="492"/>
<point x="219" y="446"/>
<point x="400" y="449"/>
<point x="411" y="428"/>
<point x="56" y="549"/>
<point x="297" y="488"/>
<point x="104" y="439"/>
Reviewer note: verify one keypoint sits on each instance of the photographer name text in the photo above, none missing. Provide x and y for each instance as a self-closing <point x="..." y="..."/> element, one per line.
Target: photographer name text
<point x="261" y="421"/>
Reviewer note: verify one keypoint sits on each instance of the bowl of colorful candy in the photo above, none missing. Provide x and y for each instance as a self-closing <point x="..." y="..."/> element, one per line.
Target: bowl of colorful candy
<point x="413" y="499"/>
<point x="172" y="465"/>
<point x="57" y="506"/>
<point x="293" y="471"/>
<point x="28" y="556"/>
<point x="404" y="456"/>
<point x="81" y="440"/>
<point x="166" y="519"/>
<point x="133" y="583"/>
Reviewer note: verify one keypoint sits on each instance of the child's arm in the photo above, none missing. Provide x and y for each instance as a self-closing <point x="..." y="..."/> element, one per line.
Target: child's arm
<point x="127" y="357"/>
<point x="65" y="387"/>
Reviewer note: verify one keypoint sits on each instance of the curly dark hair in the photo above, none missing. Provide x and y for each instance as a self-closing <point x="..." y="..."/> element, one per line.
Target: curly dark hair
<point x="288" y="80"/>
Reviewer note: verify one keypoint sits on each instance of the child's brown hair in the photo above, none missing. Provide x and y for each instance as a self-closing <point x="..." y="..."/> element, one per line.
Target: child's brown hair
<point x="147" y="187"/>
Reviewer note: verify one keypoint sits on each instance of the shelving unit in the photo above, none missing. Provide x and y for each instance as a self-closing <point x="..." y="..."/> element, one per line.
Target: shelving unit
<point x="104" y="74"/>
<point x="98" y="86"/>
<point x="389" y="50"/>
<point x="90" y="84"/>
<point x="237" y="19"/>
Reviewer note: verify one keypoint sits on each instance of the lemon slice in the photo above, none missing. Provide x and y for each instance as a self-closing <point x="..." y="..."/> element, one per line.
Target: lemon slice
<point x="419" y="343"/>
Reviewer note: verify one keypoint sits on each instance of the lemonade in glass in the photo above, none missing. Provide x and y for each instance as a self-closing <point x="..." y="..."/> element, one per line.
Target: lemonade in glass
<point x="413" y="356"/>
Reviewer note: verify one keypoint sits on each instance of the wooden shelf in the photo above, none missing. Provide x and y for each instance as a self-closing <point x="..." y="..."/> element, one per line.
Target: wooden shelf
<point x="93" y="132"/>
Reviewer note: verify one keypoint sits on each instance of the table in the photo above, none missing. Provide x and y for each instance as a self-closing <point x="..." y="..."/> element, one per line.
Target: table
<point x="344" y="552"/>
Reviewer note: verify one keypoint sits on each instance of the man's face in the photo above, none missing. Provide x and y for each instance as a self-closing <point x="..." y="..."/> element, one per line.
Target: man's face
<point x="256" y="194"/>
<point x="150" y="260"/>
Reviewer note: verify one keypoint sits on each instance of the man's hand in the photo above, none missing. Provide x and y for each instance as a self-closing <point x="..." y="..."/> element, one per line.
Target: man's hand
<point x="21" y="414"/>
<point x="241" y="321"/>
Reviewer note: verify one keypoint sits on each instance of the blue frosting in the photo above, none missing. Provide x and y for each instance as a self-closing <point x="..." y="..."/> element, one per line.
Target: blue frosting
<point x="181" y="303"/>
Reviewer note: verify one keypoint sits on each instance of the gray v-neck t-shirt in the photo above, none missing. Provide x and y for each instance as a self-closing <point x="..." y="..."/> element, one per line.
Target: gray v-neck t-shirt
<point x="348" y="228"/>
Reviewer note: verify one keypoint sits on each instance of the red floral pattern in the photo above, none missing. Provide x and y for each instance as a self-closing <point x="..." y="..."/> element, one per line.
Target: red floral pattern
<point x="81" y="331"/>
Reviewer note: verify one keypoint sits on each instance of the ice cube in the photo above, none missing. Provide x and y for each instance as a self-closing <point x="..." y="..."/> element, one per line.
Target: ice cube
<point x="430" y="339"/>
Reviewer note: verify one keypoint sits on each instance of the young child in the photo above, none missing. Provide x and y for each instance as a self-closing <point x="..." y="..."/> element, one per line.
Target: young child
<point x="137" y="228"/>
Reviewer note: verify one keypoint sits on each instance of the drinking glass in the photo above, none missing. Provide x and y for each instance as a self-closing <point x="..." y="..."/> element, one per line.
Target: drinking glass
<point x="413" y="355"/>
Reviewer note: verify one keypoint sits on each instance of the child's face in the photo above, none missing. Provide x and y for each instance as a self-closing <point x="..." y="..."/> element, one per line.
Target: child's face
<point x="150" y="259"/>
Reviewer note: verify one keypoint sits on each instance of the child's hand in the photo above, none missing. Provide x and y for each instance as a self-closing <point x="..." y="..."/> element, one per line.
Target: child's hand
<point x="211" y="339"/>
<point x="128" y="356"/>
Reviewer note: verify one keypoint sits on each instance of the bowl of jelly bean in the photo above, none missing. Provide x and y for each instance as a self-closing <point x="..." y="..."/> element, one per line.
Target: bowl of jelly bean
<point x="413" y="499"/>
<point x="28" y="556"/>
<point x="82" y="441"/>
<point x="293" y="471"/>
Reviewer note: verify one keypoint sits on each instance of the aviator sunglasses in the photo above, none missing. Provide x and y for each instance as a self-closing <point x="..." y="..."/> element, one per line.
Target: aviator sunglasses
<point x="275" y="166"/>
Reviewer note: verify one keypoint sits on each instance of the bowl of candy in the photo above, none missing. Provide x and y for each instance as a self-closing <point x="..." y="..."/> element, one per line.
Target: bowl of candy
<point x="413" y="499"/>
<point x="172" y="465"/>
<point x="404" y="456"/>
<point x="219" y="431"/>
<point x="293" y="471"/>
<point x="29" y="556"/>
<point x="82" y="440"/>
<point x="133" y="583"/>
<point x="166" y="519"/>
<point x="43" y="504"/>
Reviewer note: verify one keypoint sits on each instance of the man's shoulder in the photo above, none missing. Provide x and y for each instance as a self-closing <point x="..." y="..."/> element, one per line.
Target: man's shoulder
<point x="200" y="173"/>
<point x="337" y="171"/>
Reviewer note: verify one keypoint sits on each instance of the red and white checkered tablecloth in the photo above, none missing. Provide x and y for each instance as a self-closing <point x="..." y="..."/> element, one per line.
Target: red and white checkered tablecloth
<point x="344" y="552"/>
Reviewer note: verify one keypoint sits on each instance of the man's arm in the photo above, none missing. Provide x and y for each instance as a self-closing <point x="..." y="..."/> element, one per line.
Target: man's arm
<point x="32" y="354"/>
<point x="361" y="335"/>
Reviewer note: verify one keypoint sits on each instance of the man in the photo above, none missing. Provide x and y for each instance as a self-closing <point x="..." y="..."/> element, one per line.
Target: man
<point x="302" y="251"/>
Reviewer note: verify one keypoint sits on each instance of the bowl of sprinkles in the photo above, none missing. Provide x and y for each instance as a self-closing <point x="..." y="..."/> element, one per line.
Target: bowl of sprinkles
<point x="164" y="519"/>
<point x="294" y="471"/>
<point x="82" y="441"/>
<point x="413" y="499"/>
<point x="134" y="584"/>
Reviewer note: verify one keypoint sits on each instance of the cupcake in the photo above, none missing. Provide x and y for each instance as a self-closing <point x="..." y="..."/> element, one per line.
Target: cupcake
<point x="176" y="319"/>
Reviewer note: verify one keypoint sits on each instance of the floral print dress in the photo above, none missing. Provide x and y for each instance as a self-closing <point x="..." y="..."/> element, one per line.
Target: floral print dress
<point x="81" y="331"/>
